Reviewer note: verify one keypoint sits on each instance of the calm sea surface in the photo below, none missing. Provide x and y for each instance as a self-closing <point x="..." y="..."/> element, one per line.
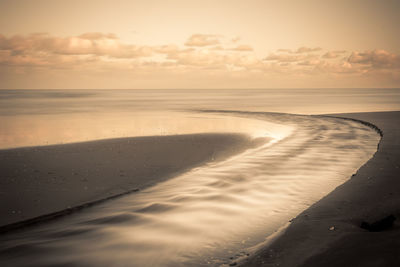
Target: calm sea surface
<point x="40" y="117"/>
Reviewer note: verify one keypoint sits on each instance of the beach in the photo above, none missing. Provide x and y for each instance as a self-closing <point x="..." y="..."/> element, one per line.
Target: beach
<point x="205" y="199"/>
<point x="329" y="233"/>
<point x="51" y="180"/>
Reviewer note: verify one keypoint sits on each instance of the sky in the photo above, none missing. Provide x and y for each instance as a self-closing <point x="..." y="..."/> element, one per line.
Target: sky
<point x="199" y="44"/>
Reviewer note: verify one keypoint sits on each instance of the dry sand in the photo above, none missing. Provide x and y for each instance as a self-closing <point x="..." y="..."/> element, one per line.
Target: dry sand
<point x="329" y="232"/>
<point x="36" y="181"/>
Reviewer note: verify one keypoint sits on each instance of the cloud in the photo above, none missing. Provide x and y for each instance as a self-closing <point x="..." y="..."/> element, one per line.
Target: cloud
<point x="376" y="59"/>
<point x="309" y="62"/>
<point x="300" y="56"/>
<point x="303" y="61"/>
<point x="283" y="57"/>
<point x="330" y="54"/>
<point x="304" y="49"/>
<point x="197" y="59"/>
<point x="300" y="50"/>
<point x="340" y="67"/>
<point x="86" y="44"/>
<point x="96" y="52"/>
<point x="99" y="49"/>
<point x="202" y="40"/>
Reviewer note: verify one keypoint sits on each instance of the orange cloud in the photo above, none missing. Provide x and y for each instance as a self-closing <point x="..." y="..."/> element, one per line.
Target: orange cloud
<point x="309" y="62"/>
<point x="98" y="49"/>
<point x="202" y="40"/>
<point x="283" y="57"/>
<point x="106" y="53"/>
<point x="376" y="59"/>
<point x="330" y="54"/>
<point x="304" y="49"/>
<point x="341" y="67"/>
<point x="300" y="50"/>
<point x="85" y="44"/>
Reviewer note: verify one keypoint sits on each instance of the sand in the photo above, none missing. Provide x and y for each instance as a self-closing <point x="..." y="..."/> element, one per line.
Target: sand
<point x="57" y="179"/>
<point x="326" y="234"/>
<point x="329" y="233"/>
<point x="210" y="214"/>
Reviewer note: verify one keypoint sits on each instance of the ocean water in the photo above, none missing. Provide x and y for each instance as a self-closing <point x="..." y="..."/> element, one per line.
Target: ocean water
<point x="41" y="117"/>
<point x="210" y="215"/>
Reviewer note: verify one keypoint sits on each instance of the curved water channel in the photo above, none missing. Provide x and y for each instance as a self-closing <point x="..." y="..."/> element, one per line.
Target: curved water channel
<point x="211" y="214"/>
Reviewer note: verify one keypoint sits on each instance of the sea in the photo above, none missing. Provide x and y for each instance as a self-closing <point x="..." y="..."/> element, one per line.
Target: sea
<point x="43" y="117"/>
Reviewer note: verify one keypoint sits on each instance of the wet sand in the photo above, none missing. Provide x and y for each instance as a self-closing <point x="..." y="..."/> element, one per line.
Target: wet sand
<point x="209" y="215"/>
<point x="36" y="181"/>
<point x="329" y="233"/>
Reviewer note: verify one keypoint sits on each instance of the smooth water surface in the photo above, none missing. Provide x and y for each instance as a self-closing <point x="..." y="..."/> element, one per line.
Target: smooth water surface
<point x="41" y="117"/>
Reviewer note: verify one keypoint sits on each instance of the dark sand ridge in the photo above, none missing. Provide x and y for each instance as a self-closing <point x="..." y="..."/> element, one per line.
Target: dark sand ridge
<point x="56" y="179"/>
<point x="329" y="233"/>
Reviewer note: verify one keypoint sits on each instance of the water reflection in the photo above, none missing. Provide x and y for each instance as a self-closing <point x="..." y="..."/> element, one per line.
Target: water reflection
<point x="40" y="117"/>
<point x="45" y="129"/>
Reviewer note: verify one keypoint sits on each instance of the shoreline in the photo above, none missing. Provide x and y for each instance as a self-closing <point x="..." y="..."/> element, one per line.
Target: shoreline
<point x="39" y="180"/>
<point x="315" y="135"/>
<point x="329" y="232"/>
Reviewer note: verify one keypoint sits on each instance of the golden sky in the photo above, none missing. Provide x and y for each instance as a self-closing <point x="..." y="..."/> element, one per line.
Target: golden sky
<point x="199" y="44"/>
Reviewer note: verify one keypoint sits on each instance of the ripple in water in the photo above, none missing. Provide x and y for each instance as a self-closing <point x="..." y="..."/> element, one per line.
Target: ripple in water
<point x="209" y="214"/>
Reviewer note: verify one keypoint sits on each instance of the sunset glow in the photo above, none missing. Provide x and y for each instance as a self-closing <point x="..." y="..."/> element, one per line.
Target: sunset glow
<point x="199" y="44"/>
